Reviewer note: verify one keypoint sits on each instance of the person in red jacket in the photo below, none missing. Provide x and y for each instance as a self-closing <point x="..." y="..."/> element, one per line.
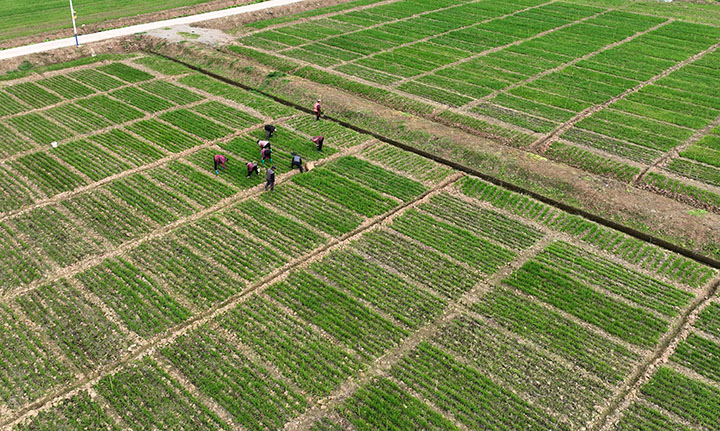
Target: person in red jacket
<point x="318" y="140"/>
<point x="266" y="154"/>
<point x="219" y="160"/>
<point x="252" y="167"/>
<point x="317" y="109"/>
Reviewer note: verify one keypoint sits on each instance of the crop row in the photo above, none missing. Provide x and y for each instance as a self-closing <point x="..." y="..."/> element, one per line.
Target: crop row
<point x="14" y="191"/>
<point x="709" y="319"/>
<point x="114" y="110"/>
<point x="9" y="105"/>
<point x="39" y="129"/>
<point x="162" y="65"/>
<point x="240" y="253"/>
<point x="255" y="399"/>
<point x="323" y="214"/>
<point x="289" y="236"/>
<point x="699" y="354"/>
<point x="471" y="397"/>
<point x="335" y="135"/>
<point x="89" y="159"/>
<point x="150" y="200"/>
<point x="346" y="192"/>
<point x="548" y="284"/>
<point x="377" y="178"/>
<point x="32" y="94"/>
<point x="142" y="99"/>
<point x="482" y="222"/>
<point x="425" y="266"/>
<point x="406" y="162"/>
<point x="189" y="182"/>
<point x="77" y="119"/>
<point x="309" y="360"/>
<point x="701" y="172"/>
<point x="229" y="116"/>
<point x="147" y="398"/>
<point x="554" y="385"/>
<point x="582" y="347"/>
<point x="632" y="250"/>
<point x="592" y="162"/>
<point x="456" y="242"/>
<point x="133" y="150"/>
<point x="77" y="326"/>
<point x="338" y="314"/>
<point x="195" y="124"/>
<point x="20" y="261"/>
<point x="382" y="404"/>
<point x="66" y="87"/>
<point x="641" y="417"/>
<point x="589" y="268"/>
<point x="163" y="135"/>
<point x="174" y="93"/>
<point x="30" y="368"/>
<point x="125" y="72"/>
<point x="140" y="302"/>
<point x="184" y="272"/>
<point x="98" y="80"/>
<point x="260" y="103"/>
<point x="387" y="292"/>
<point x="693" y="401"/>
<point x="11" y="142"/>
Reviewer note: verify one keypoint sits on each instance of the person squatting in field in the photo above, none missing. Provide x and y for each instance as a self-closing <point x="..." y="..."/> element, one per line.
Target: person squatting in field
<point x="269" y="131"/>
<point x="296" y="161"/>
<point x="270" y="179"/>
<point x="318" y="140"/>
<point x="317" y="109"/>
<point x="219" y="160"/>
<point x="252" y="167"/>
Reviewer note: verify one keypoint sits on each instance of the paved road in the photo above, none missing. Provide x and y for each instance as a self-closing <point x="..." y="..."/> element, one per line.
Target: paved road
<point x="140" y="28"/>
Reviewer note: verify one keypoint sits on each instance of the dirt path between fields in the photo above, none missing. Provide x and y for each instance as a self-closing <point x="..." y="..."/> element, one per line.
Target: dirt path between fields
<point x="543" y="144"/>
<point x="153" y="344"/>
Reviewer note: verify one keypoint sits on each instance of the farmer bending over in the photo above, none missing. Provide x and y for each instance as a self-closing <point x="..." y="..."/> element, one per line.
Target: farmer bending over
<point x="270" y="178"/>
<point x="296" y="161"/>
<point x="269" y="131"/>
<point x="219" y="160"/>
<point x="266" y="154"/>
<point x="318" y="142"/>
<point x="252" y="167"/>
<point x="317" y="109"/>
<point x="263" y="144"/>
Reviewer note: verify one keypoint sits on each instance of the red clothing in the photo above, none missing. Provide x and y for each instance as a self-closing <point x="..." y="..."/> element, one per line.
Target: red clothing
<point x="251" y="166"/>
<point x="316" y="107"/>
<point x="318" y="140"/>
<point x="220" y="159"/>
<point x="265" y="153"/>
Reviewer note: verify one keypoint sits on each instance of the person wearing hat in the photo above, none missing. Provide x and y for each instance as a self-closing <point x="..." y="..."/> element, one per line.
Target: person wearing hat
<point x="317" y="109"/>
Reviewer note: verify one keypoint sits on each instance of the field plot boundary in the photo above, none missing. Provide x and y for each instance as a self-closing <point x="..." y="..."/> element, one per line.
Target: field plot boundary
<point x="714" y="263"/>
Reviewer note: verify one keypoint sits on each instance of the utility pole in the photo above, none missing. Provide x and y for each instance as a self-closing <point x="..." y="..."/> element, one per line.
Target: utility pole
<point x="72" y="12"/>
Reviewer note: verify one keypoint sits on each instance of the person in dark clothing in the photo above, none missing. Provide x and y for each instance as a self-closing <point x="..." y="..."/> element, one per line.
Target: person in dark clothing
<point x="252" y="167"/>
<point x="317" y="109"/>
<point x="266" y="154"/>
<point x="219" y="160"/>
<point x="270" y="178"/>
<point x="269" y="131"/>
<point x="296" y="161"/>
<point x="318" y="140"/>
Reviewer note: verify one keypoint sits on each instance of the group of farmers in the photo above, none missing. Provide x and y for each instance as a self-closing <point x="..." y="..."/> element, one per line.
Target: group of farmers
<point x="265" y="148"/>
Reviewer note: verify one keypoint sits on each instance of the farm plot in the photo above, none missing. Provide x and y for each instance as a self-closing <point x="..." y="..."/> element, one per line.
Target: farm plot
<point x="522" y="71"/>
<point x="363" y="294"/>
